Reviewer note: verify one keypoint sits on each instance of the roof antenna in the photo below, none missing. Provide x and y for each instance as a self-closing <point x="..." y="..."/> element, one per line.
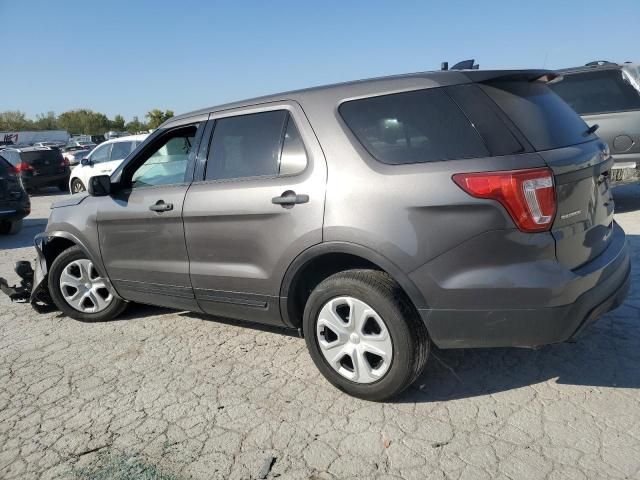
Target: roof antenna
<point x="444" y="66"/>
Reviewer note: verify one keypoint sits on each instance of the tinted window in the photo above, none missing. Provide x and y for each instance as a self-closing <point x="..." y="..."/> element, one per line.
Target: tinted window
<point x="5" y="166"/>
<point x="167" y="164"/>
<point x="246" y="145"/>
<point x="412" y="127"/>
<point x="41" y="156"/>
<point x="541" y="115"/>
<point x="598" y="92"/>
<point x="101" y="153"/>
<point x="120" y="150"/>
<point x="486" y="119"/>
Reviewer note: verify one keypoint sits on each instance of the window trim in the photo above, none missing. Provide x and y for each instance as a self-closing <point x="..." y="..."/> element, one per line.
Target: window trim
<point x="355" y="140"/>
<point x="286" y="105"/>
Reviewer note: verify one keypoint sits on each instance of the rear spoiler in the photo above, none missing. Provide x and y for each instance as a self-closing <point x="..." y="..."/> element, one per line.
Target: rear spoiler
<point x="480" y="76"/>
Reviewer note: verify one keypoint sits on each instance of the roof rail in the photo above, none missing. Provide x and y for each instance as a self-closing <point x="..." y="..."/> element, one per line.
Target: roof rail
<point x="596" y="63"/>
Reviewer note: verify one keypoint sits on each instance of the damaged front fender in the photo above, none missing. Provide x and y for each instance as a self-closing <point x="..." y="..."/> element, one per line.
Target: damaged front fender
<point x="33" y="285"/>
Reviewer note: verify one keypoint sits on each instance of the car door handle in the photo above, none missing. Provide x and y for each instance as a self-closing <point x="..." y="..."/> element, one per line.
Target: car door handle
<point x="289" y="198"/>
<point x="160" y="206"/>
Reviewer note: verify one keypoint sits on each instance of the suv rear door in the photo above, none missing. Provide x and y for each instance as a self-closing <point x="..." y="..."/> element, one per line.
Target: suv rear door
<point x="579" y="160"/>
<point x="241" y="233"/>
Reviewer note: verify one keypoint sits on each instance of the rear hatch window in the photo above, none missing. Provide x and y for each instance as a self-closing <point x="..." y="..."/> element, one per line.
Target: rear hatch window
<point x="541" y="115"/>
<point x="601" y="91"/>
<point x="43" y="161"/>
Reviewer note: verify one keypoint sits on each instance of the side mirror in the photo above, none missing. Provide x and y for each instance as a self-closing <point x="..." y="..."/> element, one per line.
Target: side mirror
<point x="85" y="161"/>
<point x="99" y="186"/>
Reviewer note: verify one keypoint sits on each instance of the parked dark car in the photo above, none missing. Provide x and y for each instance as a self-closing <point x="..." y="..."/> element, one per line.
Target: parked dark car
<point x="39" y="166"/>
<point x="465" y="208"/>
<point x="608" y="94"/>
<point x="14" y="201"/>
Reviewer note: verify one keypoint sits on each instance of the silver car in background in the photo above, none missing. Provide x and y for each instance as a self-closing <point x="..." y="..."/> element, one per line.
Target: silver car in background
<point x="608" y="94"/>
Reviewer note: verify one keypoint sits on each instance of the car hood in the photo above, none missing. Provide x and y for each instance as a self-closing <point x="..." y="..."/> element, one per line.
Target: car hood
<point x="70" y="201"/>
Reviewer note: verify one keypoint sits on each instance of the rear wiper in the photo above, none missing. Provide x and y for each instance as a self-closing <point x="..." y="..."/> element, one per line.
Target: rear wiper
<point x="591" y="130"/>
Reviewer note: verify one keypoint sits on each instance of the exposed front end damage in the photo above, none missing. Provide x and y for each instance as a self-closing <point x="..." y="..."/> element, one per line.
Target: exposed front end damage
<point x="33" y="285"/>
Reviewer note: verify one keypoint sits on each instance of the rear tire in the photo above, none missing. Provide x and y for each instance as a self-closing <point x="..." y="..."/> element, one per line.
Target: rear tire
<point x="10" y="227"/>
<point x="107" y="306"/>
<point x="63" y="187"/>
<point x="77" y="186"/>
<point x="384" y="309"/>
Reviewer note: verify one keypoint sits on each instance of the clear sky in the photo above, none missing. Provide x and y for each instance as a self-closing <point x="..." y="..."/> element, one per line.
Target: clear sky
<point x="128" y="57"/>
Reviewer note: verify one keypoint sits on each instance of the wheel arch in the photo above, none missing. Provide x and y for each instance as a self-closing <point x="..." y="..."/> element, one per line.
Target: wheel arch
<point x="51" y="244"/>
<point x="322" y="260"/>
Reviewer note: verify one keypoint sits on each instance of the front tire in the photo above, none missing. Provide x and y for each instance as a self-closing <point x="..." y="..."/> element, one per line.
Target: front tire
<point x="364" y="335"/>
<point x="79" y="290"/>
<point x="77" y="186"/>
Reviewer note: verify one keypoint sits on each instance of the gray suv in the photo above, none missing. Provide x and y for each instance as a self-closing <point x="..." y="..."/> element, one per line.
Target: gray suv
<point x="608" y="94"/>
<point x="464" y="208"/>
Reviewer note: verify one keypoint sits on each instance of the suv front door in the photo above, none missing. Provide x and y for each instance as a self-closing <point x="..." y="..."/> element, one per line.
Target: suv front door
<point x="140" y="225"/>
<point x="244" y="224"/>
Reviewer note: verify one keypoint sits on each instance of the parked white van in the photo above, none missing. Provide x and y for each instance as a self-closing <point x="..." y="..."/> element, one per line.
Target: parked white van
<point x="103" y="160"/>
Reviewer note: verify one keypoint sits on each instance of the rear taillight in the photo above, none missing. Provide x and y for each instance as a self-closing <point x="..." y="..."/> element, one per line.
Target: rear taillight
<point x="528" y="195"/>
<point x="23" y="167"/>
<point x="64" y="162"/>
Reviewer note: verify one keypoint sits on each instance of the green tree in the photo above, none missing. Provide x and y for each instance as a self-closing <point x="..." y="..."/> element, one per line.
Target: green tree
<point x="117" y="123"/>
<point x="14" y="120"/>
<point x="46" y="121"/>
<point x="84" y="121"/>
<point x="158" y="117"/>
<point x="135" y="126"/>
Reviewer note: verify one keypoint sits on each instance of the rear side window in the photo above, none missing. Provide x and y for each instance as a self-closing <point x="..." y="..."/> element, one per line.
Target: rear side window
<point x="413" y="127"/>
<point x="121" y="150"/>
<point x="599" y="92"/>
<point x="486" y="118"/>
<point x="541" y="115"/>
<point x="258" y="144"/>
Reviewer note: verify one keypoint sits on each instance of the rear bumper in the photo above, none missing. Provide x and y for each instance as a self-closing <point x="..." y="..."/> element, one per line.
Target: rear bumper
<point x="13" y="214"/>
<point x="601" y="285"/>
<point x="45" y="180"/>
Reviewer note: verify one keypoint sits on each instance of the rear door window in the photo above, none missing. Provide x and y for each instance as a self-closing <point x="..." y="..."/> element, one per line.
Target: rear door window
<point x="255" y="145"/>
<point x="599" y="92"/>
<point x="543" y="117"/>
<point x="413" y="127"/>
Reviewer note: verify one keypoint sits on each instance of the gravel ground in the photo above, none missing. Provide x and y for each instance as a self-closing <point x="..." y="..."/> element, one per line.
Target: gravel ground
<point x="166" y="395"/>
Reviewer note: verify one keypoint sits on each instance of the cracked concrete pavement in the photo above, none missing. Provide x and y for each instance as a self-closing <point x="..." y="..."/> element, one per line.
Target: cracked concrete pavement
<point x="196" y="398"/>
